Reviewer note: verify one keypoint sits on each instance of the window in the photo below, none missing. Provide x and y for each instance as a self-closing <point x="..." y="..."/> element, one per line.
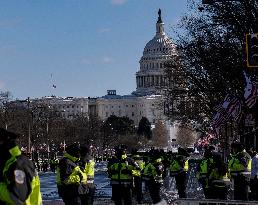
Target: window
<point x="132" y="114"/>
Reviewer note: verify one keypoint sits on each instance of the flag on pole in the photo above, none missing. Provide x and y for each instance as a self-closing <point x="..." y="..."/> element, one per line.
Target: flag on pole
<point x="251" y="91"/>
<point x="231" y="108"/>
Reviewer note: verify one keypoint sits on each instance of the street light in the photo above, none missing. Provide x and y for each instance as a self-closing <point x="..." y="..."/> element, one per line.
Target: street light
<point x="252" y="50"/>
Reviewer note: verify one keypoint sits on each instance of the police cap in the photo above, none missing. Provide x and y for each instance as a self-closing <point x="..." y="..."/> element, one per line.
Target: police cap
<point x="183" y="152"/>
<point x="120" y="147"/>
<point x="237" y="145"/>
<point x="73" y="149"/>
<point x="85" y="149"/>
<point x="6" y="135"/>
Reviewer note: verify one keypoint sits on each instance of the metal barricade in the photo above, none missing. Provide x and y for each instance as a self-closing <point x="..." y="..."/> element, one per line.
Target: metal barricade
<point x="212" y="202"/>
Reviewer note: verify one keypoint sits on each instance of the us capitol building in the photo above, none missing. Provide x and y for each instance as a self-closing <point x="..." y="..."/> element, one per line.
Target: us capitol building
<point x="143" y="102"/>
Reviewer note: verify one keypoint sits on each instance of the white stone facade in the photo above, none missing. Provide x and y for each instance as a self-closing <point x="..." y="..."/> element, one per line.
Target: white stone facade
<point x="130" y="106"/>
<point x="68" y="107"/>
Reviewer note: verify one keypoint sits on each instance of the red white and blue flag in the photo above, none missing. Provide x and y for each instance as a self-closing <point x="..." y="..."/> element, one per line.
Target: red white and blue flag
<point x="251" y="92"/>
<point x="231" y="108"/>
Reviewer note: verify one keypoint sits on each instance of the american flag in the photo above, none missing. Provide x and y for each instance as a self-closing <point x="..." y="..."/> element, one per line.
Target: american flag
<point x="236" y="111"/>
<point x="251" y="92"/>
<point x="230" y="108"/>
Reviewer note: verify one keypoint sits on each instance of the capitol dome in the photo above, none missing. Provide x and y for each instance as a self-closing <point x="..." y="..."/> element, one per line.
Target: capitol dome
<point x="151" y="77"/>
<point x="159" y="45"/>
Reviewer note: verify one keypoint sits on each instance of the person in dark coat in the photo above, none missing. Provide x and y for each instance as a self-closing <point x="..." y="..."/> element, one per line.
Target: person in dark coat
<point x="179" y="169"/>
<point x="240" y="170"/>
<point x="70" y="176"/>
<point x="19" y="181"/>
<point x="87" y="165"/>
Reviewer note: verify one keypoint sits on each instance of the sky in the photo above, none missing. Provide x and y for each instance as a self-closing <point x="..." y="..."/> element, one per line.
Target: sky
<point x="82" y="47"/>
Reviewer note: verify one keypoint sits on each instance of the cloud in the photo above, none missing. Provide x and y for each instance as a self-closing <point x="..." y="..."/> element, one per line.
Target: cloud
<point x="104" y="30"/>
<point x="101" y="60"/>
<point x="85" y="61"/>
<point x="107" y="60"/>
<point x="118" y="2"/>
<point x="10" y="23"/>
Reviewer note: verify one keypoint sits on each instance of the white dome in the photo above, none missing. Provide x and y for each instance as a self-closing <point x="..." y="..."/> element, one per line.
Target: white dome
<point x="159" y="45"/>
<point x="151" y="79"/>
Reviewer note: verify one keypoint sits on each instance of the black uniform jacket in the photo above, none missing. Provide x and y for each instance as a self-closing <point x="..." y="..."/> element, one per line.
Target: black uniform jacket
<point x="20" y="175"/>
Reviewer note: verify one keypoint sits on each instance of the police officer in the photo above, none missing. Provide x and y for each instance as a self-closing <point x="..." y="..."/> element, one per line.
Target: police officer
<point x="218" y="179"/>
<point x="153" y="176"/>
<point x="53" y="164"/>
<point x="137" y="189"/>
<point x="70" y="177"/>
<point x="254" y="176"/>
<point x="19" y="181"/>
<point x="178" y="169"/>
<point x="204" y="170"/>
<point x="240" y="169"/>
<point x="87" y="164"/>
<point x="120" y="172"/>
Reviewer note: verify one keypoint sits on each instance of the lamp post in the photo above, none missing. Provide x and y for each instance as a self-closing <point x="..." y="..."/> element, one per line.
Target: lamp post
<point x="29" y="126"/>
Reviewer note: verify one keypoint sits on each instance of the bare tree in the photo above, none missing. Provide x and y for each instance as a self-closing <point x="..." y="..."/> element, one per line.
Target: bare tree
<point x="185" y="136"/>
<point x="160" y="135"/>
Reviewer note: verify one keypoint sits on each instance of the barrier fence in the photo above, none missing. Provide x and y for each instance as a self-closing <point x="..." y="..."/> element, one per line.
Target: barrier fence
<point x="212" y="202"/>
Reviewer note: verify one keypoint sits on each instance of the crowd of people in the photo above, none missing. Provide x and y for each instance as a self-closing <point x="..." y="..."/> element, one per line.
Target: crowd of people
<point x="128" y="172"/>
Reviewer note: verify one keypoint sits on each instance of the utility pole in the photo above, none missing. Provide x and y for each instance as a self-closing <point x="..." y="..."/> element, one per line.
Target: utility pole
<point x="29" y="129"/>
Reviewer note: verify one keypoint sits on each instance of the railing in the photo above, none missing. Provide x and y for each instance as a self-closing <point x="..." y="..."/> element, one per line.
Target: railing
<point x="212" y="202"/>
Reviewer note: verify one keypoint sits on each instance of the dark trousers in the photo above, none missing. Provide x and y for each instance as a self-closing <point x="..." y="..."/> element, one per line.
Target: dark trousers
<point x="181" y="184"/>
<point x="88" y="198"/>
<point x="122" y="194"/>
<point x="69" y="194"/>
<point x="154" y="189"/>
<point x="205" y="187"/>
<point x="240" y="188"/>
<point x="219" y="192"/>
<point x="137" y="190"/>
<point x="254" y="189"/>
<point x="76" y="200"/>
